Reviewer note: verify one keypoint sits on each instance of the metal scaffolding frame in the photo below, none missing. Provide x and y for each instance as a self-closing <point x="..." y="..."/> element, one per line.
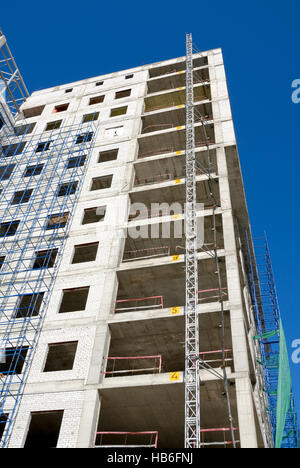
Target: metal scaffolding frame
<point x="16" y="90"/>
<point x="267" y="315"/>
<point x="41" y="176"/>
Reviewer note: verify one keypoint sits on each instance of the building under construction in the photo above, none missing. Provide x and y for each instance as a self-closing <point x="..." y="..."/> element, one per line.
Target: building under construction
<point x="133" y="310"/>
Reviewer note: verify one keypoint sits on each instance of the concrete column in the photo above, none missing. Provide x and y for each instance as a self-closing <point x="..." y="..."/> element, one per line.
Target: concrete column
<point x="89" y="419"/>
<point x="248" y="435"/>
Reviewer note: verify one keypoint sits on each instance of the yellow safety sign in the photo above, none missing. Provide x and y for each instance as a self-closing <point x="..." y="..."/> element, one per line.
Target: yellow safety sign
<point x="174" y="376"/>
<point x="176" y="258"/>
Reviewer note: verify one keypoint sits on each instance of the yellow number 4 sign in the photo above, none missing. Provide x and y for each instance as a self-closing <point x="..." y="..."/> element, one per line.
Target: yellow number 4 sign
<point x="174" y="376"/>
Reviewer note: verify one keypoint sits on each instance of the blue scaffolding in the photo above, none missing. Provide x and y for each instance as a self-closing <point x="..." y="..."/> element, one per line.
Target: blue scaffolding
<point x="40" y="180"/>
<point x="268" y="323"/>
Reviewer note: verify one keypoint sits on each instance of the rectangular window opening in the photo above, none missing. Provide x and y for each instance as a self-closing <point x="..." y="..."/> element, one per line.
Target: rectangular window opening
<point x="44" y="429"/>
<point x="14" y="360"/>
<point x="84" y="138"/>
<point x="109" y="155"/>
<point x="60" y="108"/>
<point x="33" y="111"/>
<point x="44" y="259"/>
<point x="9" y="229"/>
<point x="74" y="300"/>
<point x="85" y="253"/>
<point x="94" y="215"/>
<point x="29" y="305"/>
<point x="57" y="221"/>
<point x="99" y="83"/>
<point x="2" y="260"/>
<point x="123" y="94"/>
<point x="25" y="129"/>
<point x="53" y="125"/>
<point x="68" y="188"/>
<point x="13" y="149"/>
<point x="6" y="171"/>
<point x="101" y="183"/>
<point x="96" y="100"/>
<point x="23" y="196"/>
<point x="61" y="356"/>
<point x="90" y="117"/>
<point x="127" y="77"/>
<point x="44" y="146"/>
<point x="118" y="111"/>
<point x="33" y="170"/>
<point x="76" y="161"/>
<point x="3" y="421"/>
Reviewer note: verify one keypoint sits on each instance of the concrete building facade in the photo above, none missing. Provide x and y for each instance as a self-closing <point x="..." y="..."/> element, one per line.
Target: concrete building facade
<point x="119" y="288"/>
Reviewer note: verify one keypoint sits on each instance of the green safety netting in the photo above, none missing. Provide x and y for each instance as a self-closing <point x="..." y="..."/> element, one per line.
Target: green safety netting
<point x="284" y="389"/>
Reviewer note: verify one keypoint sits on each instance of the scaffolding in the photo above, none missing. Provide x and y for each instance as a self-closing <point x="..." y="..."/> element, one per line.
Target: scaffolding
<point x="271" y="339"/>
<point x="40" y="180"/>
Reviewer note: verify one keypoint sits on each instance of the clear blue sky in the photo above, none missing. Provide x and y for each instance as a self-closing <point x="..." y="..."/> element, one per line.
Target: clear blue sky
<point x="66" y="41"/>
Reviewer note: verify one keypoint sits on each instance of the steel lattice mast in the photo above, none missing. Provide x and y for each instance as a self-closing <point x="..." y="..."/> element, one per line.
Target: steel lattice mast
<point x="192" y="381"/>
<point x="11" y="78"/>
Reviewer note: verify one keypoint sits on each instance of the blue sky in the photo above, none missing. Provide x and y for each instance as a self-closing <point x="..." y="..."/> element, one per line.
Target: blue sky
<point x="66" y="41"/>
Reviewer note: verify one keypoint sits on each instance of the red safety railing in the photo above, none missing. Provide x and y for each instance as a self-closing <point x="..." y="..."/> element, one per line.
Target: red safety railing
<point x="210" y="295"/>
<point x="169" y="149"/>
<point x="172" y="149"/>
<point x="172" y="103"/>
<point x="152" y="213"/>
<point x="142" y="254"/>
<point x="203" y="81"/>
<point x="141" y="303"/>
<point x="168" y="73"/>
<point x="157" y="127"/>
<point x="160" y="212"/>
<point x="215" y="358"/>
<point x="129" y="365"/>
<point x="124" y="438"/>
<point x="169" y="177"/>
<point x="221" y="431"/>
<point x="153" y="179"/>
<point x="162" y="106"/>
